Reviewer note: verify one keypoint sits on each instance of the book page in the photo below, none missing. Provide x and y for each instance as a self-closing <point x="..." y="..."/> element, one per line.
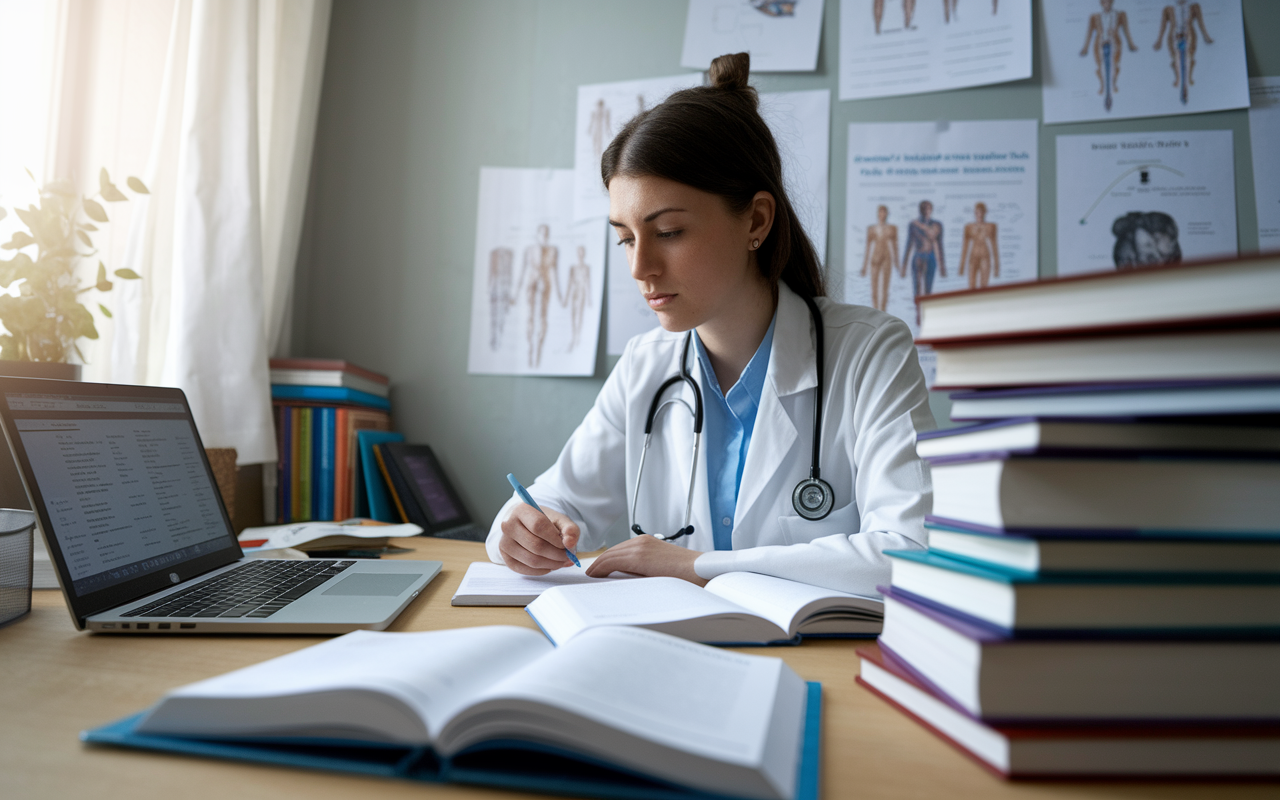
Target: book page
<point x="374" y="685"/>
<point x="786" y="603"/>
<point x="680" y="710"/>
<point x="565" y="611"/>
<point x="488" y="584"/>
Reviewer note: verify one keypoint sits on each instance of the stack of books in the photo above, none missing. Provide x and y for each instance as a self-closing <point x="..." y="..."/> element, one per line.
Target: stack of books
<point x="320" y="407"/>
<point x="1101" y="592"/>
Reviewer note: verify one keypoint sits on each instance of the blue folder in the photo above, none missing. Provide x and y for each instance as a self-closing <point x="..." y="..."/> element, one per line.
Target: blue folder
<point x="373" y="500"/>
<point x="504" y="764"/>
<point x="328" y="394"/>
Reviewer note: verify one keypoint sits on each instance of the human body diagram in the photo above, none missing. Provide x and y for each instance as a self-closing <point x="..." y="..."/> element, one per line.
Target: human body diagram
<point x="599" y="128"/>
<point x="1104" y="32"/>
<point x="981" y="249"/>
<point x="924" y="252"/>
<point x="1180" y="23"/>
<point x="539" y="275"/>
<point x="500" y="297"/>
<point x="881" y="255"/>
<point x="578" y="295"/>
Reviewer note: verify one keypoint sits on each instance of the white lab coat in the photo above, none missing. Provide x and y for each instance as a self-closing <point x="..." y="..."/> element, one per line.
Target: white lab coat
<point x="875" y="404"/>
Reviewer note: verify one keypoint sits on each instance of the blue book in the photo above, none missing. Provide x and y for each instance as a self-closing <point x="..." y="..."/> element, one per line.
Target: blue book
<point x="652" y="743"/>
<point x="324" y="432"/>
<point x="328" y="394"/>
<point x="373" y="498"/>
<point x="1124" y="603"/>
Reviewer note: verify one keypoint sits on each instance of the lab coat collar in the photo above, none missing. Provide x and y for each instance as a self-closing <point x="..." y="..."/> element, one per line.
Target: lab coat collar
<point x="792" y="367"/>
<point x="791" y="370"/>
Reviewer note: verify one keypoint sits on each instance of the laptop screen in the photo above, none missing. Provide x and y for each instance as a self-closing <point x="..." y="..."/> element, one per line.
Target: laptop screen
<point x="120" y="482"/>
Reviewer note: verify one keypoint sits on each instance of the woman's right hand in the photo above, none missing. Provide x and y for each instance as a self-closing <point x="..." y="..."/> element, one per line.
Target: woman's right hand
<point x="533" y="542"/>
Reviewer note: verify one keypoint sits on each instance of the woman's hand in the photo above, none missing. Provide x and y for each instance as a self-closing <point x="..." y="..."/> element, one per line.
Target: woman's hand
<point x="650" y="557"/>
<point x="533" y="542"/>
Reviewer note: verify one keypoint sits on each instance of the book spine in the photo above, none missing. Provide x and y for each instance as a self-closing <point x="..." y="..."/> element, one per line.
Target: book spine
<point x="324" y="483"/>
<point x="385" y="469"/>
<point x="306" y="508"/>
<point x="284" y="511"/>
<point x="341" y="466"/>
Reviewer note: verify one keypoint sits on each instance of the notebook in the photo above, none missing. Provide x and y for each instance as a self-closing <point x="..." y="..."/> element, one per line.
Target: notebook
<point x="138" y="534"/>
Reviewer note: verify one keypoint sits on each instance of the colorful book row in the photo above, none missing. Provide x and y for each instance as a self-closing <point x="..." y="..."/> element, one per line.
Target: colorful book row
<point x="317" y="465"/>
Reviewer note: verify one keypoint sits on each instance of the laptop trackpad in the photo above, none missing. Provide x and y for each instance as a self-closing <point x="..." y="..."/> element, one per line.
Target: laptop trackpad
<point x="367" y="584"/>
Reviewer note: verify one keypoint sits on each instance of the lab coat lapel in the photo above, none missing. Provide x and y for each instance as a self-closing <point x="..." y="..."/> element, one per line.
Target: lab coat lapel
<point x="791" y="370"/>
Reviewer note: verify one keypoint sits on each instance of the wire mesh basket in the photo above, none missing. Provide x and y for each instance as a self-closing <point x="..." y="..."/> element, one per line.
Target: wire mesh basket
<point x="15" y="563"/>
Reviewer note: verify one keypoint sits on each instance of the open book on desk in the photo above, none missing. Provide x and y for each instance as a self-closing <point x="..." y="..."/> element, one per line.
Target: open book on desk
<point x="501" y="706"/>
<point x="489" y="584"/>
<point x="737" y="608"/>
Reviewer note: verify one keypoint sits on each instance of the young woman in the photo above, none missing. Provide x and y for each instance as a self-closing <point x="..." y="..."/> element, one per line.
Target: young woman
<point x="780" y="377"/>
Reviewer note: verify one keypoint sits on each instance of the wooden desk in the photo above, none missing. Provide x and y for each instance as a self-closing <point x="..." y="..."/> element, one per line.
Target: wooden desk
<point x="55" y="682"/>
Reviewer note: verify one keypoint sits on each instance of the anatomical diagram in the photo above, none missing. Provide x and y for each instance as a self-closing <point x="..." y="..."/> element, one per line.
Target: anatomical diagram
<point x="880" y="257"/>
<point x="1179" y="22"/>
<point x="980" y="253"/>
<point x="1104" y="32"/>
<point x="539" y="277"/>
<point x="578" y="295"/>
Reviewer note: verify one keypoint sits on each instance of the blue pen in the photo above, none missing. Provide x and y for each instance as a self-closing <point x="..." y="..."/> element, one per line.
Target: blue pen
<point x="525" y="496"/>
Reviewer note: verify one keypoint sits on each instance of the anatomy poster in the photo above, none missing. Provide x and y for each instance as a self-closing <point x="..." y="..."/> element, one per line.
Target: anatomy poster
<point x="539" y="277"/>
<point x="801" y="125"/>
<point x="1113" y="59"/>
<point x="780" y="36"/>
<point x="935" y="207"/>
<point x="893" y="47"/>
<point x="1264" y="132"/>
<point x="603" y="108"/>
<point x="1139" y="199"/>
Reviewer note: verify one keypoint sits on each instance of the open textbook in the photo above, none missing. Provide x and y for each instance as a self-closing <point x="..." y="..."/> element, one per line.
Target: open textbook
<point x="489" y="584"/>
<point x="500" y="705"/>
<point x="734" y="608"/>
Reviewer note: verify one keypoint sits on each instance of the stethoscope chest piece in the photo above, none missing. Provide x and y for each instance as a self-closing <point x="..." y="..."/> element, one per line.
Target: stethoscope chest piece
<point x="813" y="498"/>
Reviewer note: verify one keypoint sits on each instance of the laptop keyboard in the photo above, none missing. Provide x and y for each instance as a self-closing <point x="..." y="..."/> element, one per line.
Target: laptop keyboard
<point x="254" y="590"/>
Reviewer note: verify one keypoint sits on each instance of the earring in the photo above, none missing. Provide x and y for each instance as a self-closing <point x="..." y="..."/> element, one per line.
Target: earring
<point x="755" y="244"/>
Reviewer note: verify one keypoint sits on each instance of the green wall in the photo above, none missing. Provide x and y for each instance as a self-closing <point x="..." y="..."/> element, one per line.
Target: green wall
<point x="419" y="95"/>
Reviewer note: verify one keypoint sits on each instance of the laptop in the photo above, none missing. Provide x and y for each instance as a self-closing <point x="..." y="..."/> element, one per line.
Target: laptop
<point x="442" y="513"/>
<point x="138" y="534"/>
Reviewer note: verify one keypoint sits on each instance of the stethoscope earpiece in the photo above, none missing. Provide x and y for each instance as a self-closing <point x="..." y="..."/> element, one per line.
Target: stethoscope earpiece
<point x="813" y="498"/>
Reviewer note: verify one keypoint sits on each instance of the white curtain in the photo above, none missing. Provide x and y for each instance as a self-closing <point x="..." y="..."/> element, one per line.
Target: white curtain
<point x="217" y="238"/>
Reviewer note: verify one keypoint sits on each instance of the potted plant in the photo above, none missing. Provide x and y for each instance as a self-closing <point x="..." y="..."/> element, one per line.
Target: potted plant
<point x="46" y="319"/>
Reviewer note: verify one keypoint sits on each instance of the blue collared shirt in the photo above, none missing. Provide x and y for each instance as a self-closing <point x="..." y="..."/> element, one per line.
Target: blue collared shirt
<point x="728" y="421"/>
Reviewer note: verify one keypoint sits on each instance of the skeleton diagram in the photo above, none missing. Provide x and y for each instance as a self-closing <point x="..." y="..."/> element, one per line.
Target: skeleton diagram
<point x="1182" y="41"/>
<point x="1104" y="32"/>
<point x="578" y="294"/>
<point x="981" y="249"/>
<point x="500" y="297"/>
<point x="599" y="128"/>
<point x="541" y="269"/>
<point x="881" y="255"/>
<point x="924" y="252"/>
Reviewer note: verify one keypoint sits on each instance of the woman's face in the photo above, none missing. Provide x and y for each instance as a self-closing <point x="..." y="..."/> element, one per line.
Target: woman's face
<point x="690" y="255"/>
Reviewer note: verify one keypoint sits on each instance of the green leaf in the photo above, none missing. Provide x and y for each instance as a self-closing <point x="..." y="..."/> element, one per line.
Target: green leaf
<point x="137" y="185"/>
<point x="103" y="285"/>
<point x="106" y="312"/>
<point x="20" y="240"/>
<point x="127" y="274"/>
<point x="84" y="237"/>
<point x="95" y="211"/>
<point x="108" y="189"/>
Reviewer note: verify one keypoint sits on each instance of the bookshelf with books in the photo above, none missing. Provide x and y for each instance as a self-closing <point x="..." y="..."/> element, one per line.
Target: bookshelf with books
<point x="317" y="427"/>
<point x="1101" y="592"/>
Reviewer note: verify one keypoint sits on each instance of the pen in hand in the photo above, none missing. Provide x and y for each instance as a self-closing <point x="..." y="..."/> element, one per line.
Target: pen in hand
<point x="526" y="497"/>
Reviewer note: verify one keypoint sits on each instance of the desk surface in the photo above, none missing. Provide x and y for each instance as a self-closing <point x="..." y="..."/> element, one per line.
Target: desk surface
<point x="55" y="681"/>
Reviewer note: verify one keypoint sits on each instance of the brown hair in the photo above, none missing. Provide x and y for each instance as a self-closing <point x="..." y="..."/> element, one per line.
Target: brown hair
<point x="713" y="139"/>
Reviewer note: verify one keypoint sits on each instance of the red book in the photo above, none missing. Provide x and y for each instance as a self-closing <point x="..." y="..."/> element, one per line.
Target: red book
<point x="1079" y="751"/>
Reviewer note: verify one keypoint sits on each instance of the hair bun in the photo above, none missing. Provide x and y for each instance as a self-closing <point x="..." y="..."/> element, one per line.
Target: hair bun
<point x="730" y="71"/>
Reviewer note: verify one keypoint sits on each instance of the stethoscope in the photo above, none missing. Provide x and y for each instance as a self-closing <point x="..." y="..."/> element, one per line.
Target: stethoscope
<point x="812" y="497"/>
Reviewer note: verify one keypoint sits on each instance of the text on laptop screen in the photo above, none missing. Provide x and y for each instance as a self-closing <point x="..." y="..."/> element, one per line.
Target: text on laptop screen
<point x="123" y="481"/>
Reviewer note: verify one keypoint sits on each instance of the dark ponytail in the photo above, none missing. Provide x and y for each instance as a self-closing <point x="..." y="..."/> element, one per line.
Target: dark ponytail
<point x="713" y="139"/>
